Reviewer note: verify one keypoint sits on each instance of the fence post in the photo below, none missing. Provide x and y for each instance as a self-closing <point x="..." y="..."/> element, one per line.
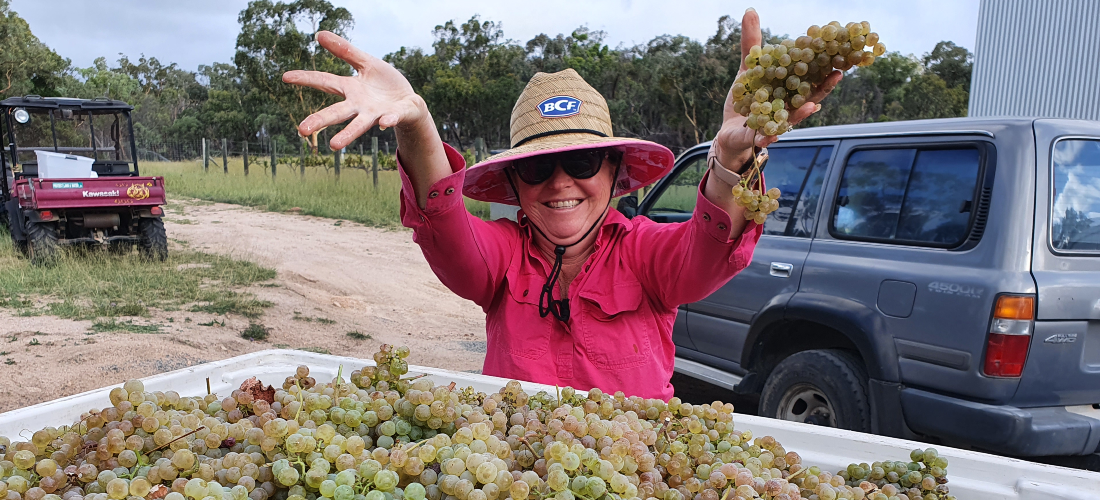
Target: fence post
<point x="374" y="159"/>
<point x="479" y="146"/>
<point x="302" y="158"/>
<point x="336" y="162"/>
<point x="246" y="157"/>
<point x="205" y="157"/>
<point x="361" y="153"/>
<point x="274" y="158"/>
<point x="225" y="156"/>
<point x="387" y="148"/>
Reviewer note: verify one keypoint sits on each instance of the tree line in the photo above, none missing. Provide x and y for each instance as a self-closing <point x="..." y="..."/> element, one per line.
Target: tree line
<point x="669" y="90"/>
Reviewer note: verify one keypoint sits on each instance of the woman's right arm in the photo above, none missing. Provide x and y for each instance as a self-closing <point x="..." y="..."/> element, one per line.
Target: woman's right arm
<point x="468" y="255"/>
<point x="380" y="95"/>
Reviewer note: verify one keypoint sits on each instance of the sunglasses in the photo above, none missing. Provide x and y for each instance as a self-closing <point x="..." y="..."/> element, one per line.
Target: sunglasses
<point x="579" y="164"/>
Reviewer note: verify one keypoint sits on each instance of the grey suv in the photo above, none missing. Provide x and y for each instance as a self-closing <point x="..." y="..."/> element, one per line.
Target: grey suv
<point x="934" y="279"/>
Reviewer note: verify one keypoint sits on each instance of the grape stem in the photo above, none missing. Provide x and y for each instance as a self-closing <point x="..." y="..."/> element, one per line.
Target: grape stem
<point x="161" y="447"/>
<point x="528" y="445"/>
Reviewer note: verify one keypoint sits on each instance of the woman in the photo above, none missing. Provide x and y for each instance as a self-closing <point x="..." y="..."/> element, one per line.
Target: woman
<point x="574" y="294"/>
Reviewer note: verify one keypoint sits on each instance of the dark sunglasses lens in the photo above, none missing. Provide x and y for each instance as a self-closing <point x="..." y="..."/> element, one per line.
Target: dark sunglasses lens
<point x="582" y="164"/>
<point x="534" y="170"/>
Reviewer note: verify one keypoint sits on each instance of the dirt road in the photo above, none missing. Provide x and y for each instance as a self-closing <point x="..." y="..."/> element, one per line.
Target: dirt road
<point x="334" y="277"/>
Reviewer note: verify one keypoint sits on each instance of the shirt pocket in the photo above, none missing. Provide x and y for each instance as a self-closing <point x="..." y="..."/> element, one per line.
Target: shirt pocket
<point x="515" y="328"/>
<point x="616" y="326"/>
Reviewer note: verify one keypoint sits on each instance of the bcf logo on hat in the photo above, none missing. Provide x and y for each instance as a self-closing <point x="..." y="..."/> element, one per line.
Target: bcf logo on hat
<point x="559" y="106"/>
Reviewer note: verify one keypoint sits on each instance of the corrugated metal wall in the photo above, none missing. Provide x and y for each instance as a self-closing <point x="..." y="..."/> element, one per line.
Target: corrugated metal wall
<point x="1037" y="58"/>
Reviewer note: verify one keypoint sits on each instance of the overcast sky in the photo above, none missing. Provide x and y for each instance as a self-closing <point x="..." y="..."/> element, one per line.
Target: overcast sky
<point x="194" y="32"/>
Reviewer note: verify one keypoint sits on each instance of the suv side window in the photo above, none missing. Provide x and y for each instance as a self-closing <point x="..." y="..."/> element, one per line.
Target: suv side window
<point x="908" y="195"/>
<point x="1075" y="215"/>
<point x="787" y="170"/>
<point x="680" y="194"/>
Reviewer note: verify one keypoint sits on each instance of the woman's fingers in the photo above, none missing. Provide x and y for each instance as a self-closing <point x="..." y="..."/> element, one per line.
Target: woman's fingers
<point x="827" y="86"/>
<point x="750" y="34"/>
<point x="356" y="128"/>
<point x="337" y="113"/>
<point x="343" y="49"/>
<point x="813" y="103"/>
<point x="325" y="82"/>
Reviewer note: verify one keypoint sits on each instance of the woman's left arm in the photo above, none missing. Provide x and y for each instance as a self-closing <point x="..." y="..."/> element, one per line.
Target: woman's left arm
<point x="735" y="141"/>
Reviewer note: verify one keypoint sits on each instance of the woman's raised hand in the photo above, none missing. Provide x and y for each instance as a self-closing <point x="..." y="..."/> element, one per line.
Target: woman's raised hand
<point x="377" y="94"/>
<point x="735" y="138"/>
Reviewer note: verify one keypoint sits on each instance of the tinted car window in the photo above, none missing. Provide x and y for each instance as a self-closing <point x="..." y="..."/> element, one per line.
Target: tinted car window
<point x="939" y="200"/>
<point x="805" y="210"/>
<point x="786" y="170"/>
<point x="682" y="191"/>
<point x="1075" y="216"/>
<point x="871" y="190"/>
<point x="908" y="195"/>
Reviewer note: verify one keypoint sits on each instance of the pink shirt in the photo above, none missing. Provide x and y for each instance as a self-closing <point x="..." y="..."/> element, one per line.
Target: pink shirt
<point x="623" y="303"/>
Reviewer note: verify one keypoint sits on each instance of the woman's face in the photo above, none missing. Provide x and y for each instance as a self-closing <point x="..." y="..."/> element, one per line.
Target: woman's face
<point x="564" y="207"/>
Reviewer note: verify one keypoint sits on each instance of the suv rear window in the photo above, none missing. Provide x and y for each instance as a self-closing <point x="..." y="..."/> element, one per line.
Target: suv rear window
<point x="919" y="196"/>
<point x="1075" y="215"/>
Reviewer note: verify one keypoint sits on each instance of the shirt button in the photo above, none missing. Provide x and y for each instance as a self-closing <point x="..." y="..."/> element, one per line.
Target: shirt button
<point x="433" y="194"/>
<point x="449" y="191"/>
<point x="421" y="218"/>
<point x="706" y="216"/>
<point x="587" y="267"/>
<point x="721" y="227"/>
<point x="525" y="292"/>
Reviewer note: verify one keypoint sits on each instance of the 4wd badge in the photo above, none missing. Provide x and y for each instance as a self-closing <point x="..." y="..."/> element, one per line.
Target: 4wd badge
<point x="137" y="192"/>
<point x="1061" y="338"/>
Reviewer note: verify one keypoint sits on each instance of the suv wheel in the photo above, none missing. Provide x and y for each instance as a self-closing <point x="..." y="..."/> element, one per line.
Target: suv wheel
<point x="153" y="240"/>
<point x="821" y="387"/>
<point x="42" y="245"/>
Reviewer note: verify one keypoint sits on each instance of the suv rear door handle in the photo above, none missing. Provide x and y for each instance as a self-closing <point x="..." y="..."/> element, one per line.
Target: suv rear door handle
<point x="781" y="270"/>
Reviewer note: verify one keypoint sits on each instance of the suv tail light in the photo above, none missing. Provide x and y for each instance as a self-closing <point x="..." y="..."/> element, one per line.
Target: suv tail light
<point x="1009" y="335"/>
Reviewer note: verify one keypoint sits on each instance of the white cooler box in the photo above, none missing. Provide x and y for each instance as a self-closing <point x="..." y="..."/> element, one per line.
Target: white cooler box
<point x="62" y="166"/>
<point x="972" y="475"/>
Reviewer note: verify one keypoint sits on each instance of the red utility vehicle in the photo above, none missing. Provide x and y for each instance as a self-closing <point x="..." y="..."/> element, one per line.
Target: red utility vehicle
<point x="111" y="205"/>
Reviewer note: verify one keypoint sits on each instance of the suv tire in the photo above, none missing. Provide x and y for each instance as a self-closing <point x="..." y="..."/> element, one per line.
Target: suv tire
<point x="42" y="245"/>
<point x="153" y="240"/>
<point x="823" y="387"/>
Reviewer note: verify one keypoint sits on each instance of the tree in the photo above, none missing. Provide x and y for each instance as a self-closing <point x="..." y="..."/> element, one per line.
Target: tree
<point x="279" y="37"/>
<point x="27" y="66"/>
<point x="953" y="64"/>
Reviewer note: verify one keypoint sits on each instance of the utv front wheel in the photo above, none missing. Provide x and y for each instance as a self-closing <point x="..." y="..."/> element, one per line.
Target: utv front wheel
<point x="153" y="240"/>
<point x="42" y="245"/>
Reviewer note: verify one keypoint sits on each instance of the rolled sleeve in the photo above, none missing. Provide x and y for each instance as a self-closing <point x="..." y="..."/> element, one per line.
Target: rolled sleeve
<point x="444" y="195"/>
<point x="467" y="254"/>
<point x="711" y="220"/>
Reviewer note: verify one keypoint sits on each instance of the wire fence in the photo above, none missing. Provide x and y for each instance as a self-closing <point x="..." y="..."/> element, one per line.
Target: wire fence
<point x="270" y="155"/>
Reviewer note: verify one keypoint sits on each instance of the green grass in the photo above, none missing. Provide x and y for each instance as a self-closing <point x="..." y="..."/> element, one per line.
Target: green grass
<point x="90" y="285"/>
<point x="255" y="331"/>
<point x="353" y="198"/>
<point x="318" y="350"/>
<point x="113" y="325"/>
<point x="357" y="335"/>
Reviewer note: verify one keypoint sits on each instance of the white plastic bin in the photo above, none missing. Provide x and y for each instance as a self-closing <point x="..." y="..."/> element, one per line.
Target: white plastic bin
<point x="62" y="166"/>
<point x="972" y="475"/>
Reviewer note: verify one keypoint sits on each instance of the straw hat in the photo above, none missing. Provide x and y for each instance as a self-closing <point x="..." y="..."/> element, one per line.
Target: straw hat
<point x="561" y="112"/>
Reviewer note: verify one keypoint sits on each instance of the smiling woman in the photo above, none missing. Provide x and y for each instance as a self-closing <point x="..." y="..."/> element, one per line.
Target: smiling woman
<point x="575" y="294"/>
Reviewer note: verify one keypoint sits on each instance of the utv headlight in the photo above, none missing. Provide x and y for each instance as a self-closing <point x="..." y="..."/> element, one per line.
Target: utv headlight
<point x="22" y="116"/>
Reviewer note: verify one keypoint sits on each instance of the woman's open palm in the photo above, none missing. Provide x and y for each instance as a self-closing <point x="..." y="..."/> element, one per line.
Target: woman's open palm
<point x="376" y="94"/>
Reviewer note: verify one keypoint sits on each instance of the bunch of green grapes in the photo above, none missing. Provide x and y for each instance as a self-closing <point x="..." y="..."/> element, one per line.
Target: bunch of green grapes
<point x="780" y="77"/>
<point x="389" y="367"/>
<point x="924" y="478"/>
<point x="382" y="437"/>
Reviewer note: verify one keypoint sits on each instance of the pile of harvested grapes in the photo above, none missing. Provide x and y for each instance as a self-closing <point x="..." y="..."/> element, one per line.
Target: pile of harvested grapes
<point x="379" y="436"/>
